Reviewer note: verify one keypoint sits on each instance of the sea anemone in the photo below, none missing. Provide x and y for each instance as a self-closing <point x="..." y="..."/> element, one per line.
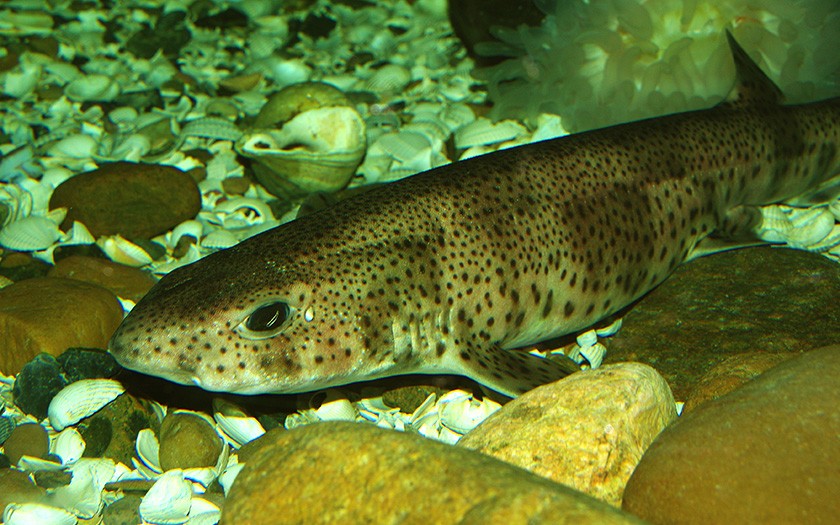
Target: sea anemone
<point x="597" y="63"/>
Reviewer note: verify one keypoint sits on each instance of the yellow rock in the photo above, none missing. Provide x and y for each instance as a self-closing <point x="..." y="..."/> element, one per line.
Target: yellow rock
<point x="50" y="314"/>
<point x="124" y="281"/>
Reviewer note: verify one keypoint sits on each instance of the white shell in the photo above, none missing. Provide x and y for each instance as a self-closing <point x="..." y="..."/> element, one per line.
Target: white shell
<point x="203" y="512"/>
<point x="227" y="477"/>
<point x="96" y="87"/>
<point x="235" y="424"/>
<point x="219" y="240"/>
<point x="317" y="150"/>
<point x="336" y="410"/>
<point x="84" y="493"/>
<point x="168" y="501"/>
<point x="68" y="445"/>
<point x="36" y="514"/>
<point x="192" y="227"/>
<point x="30" y="234"/>
<point x="81" y="399"/>
<point x="587" y="338"/>
<point x="461" y="412"/>
<point x="79" y="146"/>
<point x="482" y="132"/>
<point x="594" y="354"/>
<point x="78" y="234"/>
<point x="389" y="78"/>
<point x="123" y="251"/>
<point x="148" y="450"/>
<point x="123" y="116"/>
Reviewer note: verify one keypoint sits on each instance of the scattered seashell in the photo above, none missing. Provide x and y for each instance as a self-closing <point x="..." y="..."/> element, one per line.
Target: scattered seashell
<point x="148" y="448"/>
<point x="318" y="150"/>
<point x="336" y="410"/>
<point x="68" y="445"/>
<point x="81" y="399"/>
<point x="191" y="228"/>
<point x="219" y="240"/>
<point x="482" y="132"/>
<point x="6" y="427"/>
<point x="235" y="424"/>
<point x="78" y="146"/>
<point x="306" y="138"/>
<point x="33" y="464"/>
<point x="203" y="512"/>
<point x="213" y="128"/>
<point x="227" y="477"/>
<point x="123" y="116"/>
<point x="587" y="338"/>
<point x="95" y="87"/>
<point x="390" y="78"/>
<point x="12" y="162"/>
<point x="168" y="501"/>
<point x="78" y="234"/>
<point x="594" y="354"/>
<point x="30" y="234"/>
<point x="123" y="251"/>
<point x="461" y="412"/>
<point x="25" y="23"/>
<point x="83" y="496"/>
<point x="36" y="514"/>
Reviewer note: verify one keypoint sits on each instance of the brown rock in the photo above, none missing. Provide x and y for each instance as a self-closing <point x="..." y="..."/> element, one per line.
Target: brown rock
<point x="112" y="432"/>
<point x="188" y="441"/>
<point x="729" y="375"/>
<point x="49" y="314"/>
<point x="28" y="439"/>
<point x="131" y="199"/>
<point x="587" y="431"/>
<point x="124" y="281"/>
<point x="766" y="452"/>
<point x="16" y="487"/>
<point x="338" y="472"/>
<point x="756" y="299"/>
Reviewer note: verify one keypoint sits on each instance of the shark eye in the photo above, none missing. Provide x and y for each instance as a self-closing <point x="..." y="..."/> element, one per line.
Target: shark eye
<point x="267" y="318"/>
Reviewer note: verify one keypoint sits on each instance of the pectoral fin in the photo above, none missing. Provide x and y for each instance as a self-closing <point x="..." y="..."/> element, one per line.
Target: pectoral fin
<point x="510" y="372"/>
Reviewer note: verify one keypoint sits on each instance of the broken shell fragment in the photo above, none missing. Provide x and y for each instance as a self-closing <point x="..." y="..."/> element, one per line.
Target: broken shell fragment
<point x="168" y="501"/>
<point x="307" y="138"/>
<point x="81" y="399"/>
<point x="318" y="150"/>
<point x="101" y="88"/>
<point x="36" y="513"/>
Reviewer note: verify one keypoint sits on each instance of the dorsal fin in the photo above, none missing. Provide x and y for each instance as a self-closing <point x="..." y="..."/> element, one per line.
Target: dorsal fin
<point x="752" y="87"/>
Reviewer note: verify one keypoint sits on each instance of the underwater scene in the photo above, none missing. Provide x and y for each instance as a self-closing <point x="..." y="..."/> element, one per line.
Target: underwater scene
<point x="419" y="261"/>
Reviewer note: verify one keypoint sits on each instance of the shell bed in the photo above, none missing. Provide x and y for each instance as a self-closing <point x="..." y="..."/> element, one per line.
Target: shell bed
<point x="410" y="83"/>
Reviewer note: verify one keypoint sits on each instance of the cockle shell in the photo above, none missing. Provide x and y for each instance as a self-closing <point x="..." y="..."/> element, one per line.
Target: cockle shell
<point x="68" y="445"/>
<point x="81" y="399"/>
<point x="30" y="234"/>
<point x="482" y="132"/>
<point x="307" y="138"/>
<point x="36" y="513"/>
<point x="390" y="78"/>
<point x="101" y="88"/>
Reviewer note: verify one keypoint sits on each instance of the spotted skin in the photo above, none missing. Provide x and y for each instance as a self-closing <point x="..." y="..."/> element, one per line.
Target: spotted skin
<point x="449" y="270"/>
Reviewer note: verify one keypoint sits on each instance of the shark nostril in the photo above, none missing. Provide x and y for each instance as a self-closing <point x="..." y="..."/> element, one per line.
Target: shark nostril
<point x="267" y="317"/>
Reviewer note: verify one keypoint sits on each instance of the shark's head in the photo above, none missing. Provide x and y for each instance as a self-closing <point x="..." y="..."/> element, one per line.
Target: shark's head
<point x="259" y="319"/>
